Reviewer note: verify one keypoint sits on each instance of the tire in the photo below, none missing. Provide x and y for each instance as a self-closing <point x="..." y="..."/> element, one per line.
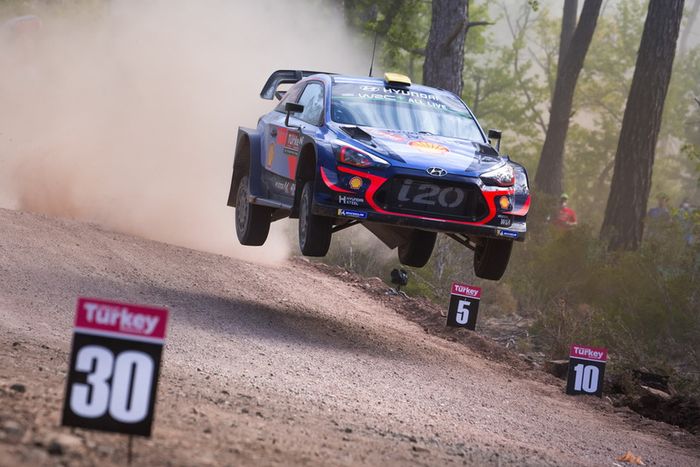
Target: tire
<point x="417" y="251"/>
<point x="491" y="258"/>
<point x="252" y="221"/>
<point x="314" y="231"/>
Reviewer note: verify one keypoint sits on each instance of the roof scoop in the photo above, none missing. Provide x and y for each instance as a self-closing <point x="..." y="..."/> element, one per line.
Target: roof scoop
<point x="396" y="79"/>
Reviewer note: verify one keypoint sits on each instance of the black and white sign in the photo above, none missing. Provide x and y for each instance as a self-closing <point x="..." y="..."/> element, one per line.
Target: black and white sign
<point x="464" y="306"/>
<point x="114" y="367"/>
<point x="586" y="370"/>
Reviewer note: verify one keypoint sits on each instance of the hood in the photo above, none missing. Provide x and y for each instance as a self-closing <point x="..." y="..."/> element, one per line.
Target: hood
<point x="422" y="151"/>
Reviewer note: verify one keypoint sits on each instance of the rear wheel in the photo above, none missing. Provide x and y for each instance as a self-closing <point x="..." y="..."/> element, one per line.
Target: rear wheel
<point x="252" y="221"/>
<point x="491" y="257"/>
<point x="314" y="231"/>
<point x="416" y="252"/>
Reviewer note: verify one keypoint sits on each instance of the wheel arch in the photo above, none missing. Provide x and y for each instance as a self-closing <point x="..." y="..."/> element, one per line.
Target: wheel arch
<point x="247" y="144"/>
<point x="307" y="167"/>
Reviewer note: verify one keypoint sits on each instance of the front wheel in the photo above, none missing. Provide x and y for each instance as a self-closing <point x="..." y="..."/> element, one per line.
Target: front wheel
<point x="416" y="252"/>
<point x="252" y="221"/>
<point x="314" y="231"/>
<point x="491" y="257"/>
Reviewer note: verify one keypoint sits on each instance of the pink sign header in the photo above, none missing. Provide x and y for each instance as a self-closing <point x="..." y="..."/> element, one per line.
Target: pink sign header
<point x="465" y="290"/>
<point x="589" y="353"/>
<point x="127" y="320"/>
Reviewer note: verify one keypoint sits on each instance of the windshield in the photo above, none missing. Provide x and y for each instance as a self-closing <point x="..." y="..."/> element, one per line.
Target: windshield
<point x="402" y="109"/>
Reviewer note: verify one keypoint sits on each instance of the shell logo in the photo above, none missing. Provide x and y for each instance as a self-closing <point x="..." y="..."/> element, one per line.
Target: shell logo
<point x="355" y="183"/>
<point x="427" y="146"/>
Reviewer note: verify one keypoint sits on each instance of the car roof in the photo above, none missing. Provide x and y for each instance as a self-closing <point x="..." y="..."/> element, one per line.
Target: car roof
<point x="371" y="80"/>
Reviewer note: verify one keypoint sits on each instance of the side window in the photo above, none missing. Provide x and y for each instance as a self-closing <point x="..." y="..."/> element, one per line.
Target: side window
<point x="312" y="100"/>
<point x="290" y="96"/>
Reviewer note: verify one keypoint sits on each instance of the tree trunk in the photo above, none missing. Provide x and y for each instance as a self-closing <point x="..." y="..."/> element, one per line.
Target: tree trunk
<point x="623" y="225"/>
<point x="548" y="178"/>
<point x="568" y="26"/>
<point x="444" y="59"/>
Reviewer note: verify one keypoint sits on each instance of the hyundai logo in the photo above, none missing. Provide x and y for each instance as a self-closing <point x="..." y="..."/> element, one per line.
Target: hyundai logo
<point x="436" y="171"/>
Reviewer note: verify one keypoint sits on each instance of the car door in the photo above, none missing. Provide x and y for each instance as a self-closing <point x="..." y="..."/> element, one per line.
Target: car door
<point x="275" y="138"/>
<point x="284" y="143"/>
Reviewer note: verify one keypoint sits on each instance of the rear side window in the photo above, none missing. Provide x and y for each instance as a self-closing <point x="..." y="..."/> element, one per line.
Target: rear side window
<point x="312" y="100"/>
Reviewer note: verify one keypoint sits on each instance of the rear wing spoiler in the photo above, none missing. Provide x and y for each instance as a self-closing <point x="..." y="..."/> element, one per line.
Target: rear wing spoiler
<point x="284" y="77"/>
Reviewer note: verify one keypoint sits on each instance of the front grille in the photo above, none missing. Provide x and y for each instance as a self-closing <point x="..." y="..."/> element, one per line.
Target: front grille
<point x="443" y="199"/>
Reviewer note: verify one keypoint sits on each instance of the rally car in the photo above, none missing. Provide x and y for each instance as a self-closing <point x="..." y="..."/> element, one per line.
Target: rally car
<point x="405" y="161"/>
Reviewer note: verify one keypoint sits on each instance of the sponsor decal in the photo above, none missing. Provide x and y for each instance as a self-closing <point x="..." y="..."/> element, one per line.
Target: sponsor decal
<point x="350" y="213"/>
<point x="287" y="186"/>
<point x="508" y="233"/>
<point x="292" y="144"/>
<point x="504" y="221"/>
<point x="270" y="155"/>
<point x="350" y="200"/>
<point x="355" y="183"/>
<point x="398" y="137"/>
<point x="427" y="146"/>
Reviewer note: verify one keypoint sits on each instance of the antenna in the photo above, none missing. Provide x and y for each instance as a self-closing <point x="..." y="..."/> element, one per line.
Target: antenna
<point x="374" y="49"/>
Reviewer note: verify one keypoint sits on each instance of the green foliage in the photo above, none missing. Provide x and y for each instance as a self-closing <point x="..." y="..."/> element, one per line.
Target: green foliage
<point x="644" y="306"/>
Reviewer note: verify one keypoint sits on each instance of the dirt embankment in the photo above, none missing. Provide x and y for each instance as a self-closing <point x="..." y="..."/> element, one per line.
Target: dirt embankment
<point x="281" y="365"/>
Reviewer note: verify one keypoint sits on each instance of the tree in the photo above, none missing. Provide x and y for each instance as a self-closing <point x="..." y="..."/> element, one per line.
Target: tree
<point x="444" y="54"/>
<point x="548" y="177"/>
<point x="568" y="26"/>
<point x="623" y="224"/>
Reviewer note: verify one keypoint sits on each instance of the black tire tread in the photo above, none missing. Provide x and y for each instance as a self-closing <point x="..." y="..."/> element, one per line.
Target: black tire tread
<point x="491" y="258"/>
<point x="417" y="251"/>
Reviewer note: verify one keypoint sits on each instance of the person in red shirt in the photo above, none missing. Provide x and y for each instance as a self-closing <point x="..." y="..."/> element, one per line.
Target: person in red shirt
<point x="566" y="217"/>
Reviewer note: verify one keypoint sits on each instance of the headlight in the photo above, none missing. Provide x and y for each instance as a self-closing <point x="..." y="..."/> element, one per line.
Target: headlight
<point x="352" y="156"/>
<point x="502" y="176"/>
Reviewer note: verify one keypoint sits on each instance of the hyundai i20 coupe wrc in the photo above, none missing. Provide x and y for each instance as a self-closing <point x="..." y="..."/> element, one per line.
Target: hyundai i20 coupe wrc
<point x="405" y="161"/>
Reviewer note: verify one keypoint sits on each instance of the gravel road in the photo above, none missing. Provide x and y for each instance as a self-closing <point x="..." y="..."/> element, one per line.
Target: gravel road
<point x="278" y="365"/>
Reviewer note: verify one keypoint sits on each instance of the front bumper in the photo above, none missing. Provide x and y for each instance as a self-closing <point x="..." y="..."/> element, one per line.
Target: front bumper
<point x="347" y="192"/>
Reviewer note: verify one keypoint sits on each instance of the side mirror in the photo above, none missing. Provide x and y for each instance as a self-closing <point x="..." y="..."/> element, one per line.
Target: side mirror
<point x="495" y="135"/>
<point x="291" y="107"/>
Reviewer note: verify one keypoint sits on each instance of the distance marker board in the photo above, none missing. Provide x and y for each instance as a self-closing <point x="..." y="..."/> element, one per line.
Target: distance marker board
<point x="114" y="366"/>
<point x="586" y="370"/>
<point x="464" y="306"/>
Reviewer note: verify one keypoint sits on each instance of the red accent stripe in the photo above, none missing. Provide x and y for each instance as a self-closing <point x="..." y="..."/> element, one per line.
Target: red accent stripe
<point x="377" y="181"/>
<point x="330" y="184"/>
<point x="281" y="136"/>
<point x="292" y="164"/>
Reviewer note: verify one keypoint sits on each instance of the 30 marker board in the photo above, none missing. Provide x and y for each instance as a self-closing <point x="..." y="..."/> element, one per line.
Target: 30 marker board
<point x="114" y="366"/>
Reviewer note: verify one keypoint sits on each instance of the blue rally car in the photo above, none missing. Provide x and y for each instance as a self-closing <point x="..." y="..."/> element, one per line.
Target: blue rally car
<point x="405" y="161"/>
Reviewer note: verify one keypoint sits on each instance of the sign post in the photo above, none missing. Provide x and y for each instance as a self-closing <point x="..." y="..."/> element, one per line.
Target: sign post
<point x="586" y="370"/>
<point x="114" y="367"/>
<point x="464" y="306"/>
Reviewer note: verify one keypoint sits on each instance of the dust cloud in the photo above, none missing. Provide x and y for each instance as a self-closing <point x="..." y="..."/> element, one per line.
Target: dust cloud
<point x="124" y="113"/>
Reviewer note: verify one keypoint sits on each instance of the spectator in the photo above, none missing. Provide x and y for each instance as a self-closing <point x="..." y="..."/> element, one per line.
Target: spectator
<point x="658" y="218"/>
<point x="660" y="213"/>
<point x="566" y="217"/>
